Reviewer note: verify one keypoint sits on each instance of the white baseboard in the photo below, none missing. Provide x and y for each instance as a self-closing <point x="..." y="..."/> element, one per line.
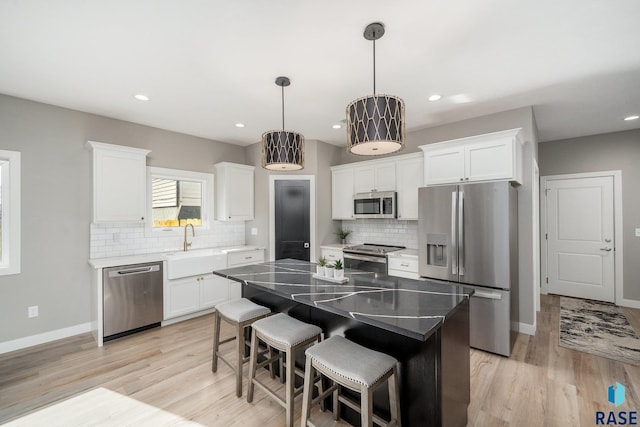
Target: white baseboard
<point x="187" y="317"/>
<point x="526" y="328"/>
<point x="20" y="343"/>
<point x="628" y="303"/>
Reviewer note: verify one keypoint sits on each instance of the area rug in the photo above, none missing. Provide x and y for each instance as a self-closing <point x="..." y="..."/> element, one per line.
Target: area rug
<point x="598" y="328"/>
<point x="101" y="407"/>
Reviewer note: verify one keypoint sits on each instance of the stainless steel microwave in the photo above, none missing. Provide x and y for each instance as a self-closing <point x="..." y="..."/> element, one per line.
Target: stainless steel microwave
<point x="374" y="205"/>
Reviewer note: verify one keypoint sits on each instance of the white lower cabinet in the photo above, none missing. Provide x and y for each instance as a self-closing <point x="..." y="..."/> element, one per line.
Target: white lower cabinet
<point x="238" y="259"/>
<point x="403" y="267"/>
<point x="191" y="294"/>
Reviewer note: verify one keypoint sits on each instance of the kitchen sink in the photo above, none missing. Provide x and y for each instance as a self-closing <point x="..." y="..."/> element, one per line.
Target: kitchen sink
<point x="194" y="262"/>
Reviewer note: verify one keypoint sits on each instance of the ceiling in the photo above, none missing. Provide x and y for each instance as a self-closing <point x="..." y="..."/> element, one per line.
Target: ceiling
<point x="207" y="64"/>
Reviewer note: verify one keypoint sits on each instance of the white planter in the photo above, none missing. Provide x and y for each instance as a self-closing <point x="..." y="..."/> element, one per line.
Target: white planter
<point x="328" y="271"/>
<point x="338" y="274"/>
<point x="320" y="270"/>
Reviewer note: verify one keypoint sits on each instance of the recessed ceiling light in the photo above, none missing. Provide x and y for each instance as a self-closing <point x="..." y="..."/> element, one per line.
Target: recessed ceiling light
<point x="141" y="97"/>
<point x="239" y="125"/>
<point x="337" y="126"/>
<point x="628" y="119"/>
<point x="435" y="97"/>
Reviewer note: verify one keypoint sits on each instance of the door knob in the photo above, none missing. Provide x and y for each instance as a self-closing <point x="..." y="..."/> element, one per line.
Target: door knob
<point x="306" y="245"/>
<point x="606" y="249"/>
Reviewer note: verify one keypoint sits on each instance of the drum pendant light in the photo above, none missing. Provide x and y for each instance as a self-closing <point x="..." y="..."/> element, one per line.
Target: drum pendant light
<point x="375" y="124"/>
<point x="282" y="150"/>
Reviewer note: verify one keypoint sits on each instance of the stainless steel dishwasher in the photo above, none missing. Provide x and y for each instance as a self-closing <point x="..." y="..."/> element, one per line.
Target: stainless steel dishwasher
<point x="132" y="299"/>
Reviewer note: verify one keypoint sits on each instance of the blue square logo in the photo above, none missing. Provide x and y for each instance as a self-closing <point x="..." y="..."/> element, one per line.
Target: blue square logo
<point x="615" y="394"/>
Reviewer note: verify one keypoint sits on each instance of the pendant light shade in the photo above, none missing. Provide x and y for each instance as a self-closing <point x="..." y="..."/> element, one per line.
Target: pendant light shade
<point x="375" y="124"/>
<point x="282" y="150"/>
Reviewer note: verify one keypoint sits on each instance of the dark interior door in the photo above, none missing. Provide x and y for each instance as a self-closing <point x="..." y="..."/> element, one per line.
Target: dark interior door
<point x="292" y="219"/>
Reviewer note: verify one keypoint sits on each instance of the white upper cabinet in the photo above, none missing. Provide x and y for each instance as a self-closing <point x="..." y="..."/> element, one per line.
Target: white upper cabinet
<point x="342" y="192"/>
<point x="119" y="183"/>
<point x="489" y="157"/>
<point x="234" y="191"/>
<point x="409" y="177"/>
<point x="375" y="177"/>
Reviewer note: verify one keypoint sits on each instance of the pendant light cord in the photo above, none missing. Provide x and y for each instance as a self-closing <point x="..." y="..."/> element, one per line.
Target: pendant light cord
<point x="282" y="87"/>
<point x="374" y="66"/>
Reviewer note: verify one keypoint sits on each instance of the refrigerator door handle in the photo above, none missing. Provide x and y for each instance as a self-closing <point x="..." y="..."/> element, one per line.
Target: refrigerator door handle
<point x="461" y="232"/>
<point x="454" y="245"/>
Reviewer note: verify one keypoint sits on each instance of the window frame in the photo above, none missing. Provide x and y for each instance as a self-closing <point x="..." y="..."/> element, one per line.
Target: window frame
<point x="10" y="187"/>
<point x="205" y="179"/>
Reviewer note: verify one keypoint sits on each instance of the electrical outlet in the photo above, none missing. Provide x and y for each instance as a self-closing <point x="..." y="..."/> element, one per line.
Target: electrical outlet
<point x="637" y="232"/>
<point x="32" y="311"/>
<point x="254" y="231"/>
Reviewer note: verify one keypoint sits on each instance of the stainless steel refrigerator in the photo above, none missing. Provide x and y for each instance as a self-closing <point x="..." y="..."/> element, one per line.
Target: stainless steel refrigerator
<point x="469" y="234"/>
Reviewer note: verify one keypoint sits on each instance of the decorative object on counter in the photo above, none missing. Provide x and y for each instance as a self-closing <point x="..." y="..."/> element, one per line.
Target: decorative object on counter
<point x="343" y="234"/>
<point x="338" y="272"/>
<point x="320" y="268"/>
<point x="282" y="150"/>
<point x="329" y="270"/>
<point x="375" y="124"/>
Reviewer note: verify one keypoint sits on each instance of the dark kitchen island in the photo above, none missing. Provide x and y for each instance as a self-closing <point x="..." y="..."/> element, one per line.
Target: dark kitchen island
<point x="422" y="323"/>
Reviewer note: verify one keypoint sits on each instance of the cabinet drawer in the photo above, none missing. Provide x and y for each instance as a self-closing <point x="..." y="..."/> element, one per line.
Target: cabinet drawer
<point x="404" y="264"/>
<point x="235" y="259"/>
<point x="332" y="255"/>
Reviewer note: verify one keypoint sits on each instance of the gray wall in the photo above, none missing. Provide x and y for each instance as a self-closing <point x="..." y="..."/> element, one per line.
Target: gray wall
<point x="612" y="151"/>
<point x="55" y="224"/>
<point x="319" y="156"/>
<point x="519" y="118"/>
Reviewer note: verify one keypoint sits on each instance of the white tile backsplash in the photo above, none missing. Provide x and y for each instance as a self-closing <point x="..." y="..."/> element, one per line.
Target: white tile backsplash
<point x="129" y="239"/>
<point x="383" y="231"/>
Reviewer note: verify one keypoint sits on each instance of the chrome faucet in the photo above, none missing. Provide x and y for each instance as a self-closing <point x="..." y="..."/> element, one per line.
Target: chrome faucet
<point x="193" y="234"/>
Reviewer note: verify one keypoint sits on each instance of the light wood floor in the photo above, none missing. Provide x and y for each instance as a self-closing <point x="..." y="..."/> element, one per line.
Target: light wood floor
<point x="541" y="384"/>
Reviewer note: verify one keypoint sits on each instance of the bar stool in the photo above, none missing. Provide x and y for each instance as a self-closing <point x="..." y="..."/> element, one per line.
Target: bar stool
<point x="240" y="313"/>
<point x="357" y="368"/>
<point x="286" y="334"/>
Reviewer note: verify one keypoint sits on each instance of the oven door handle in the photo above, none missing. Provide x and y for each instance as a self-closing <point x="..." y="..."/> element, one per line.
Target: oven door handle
<point x="381" y="260"/>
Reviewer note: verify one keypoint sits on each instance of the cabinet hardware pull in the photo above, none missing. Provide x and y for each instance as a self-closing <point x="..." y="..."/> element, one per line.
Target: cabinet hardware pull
<point x="248" y="257"/>
<point x="405" y="265"/>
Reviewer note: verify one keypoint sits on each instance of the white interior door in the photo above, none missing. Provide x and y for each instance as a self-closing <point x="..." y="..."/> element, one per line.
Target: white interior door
<point x="580" y="237"/>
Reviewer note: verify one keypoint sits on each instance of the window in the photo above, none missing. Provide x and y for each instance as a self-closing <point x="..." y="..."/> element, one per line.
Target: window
<point x="9" y="212"/>
<point x="178" y="198"/>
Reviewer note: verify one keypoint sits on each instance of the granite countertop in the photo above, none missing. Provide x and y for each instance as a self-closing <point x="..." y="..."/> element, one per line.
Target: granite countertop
<point x="414" y="308"/>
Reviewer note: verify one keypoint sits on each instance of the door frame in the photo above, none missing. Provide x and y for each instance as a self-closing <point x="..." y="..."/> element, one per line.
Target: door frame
<point x="617" y="227"/>
<point x="272" y="211"/>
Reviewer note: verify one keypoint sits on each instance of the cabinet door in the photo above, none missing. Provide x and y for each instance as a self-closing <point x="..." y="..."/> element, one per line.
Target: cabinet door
<point x="363" y="179"/>
<point x="119" y="186"/>
<point x="183" y="297"/>
<point x="489" y="160"/>
<point x="385" y="177"/>
<point x="213" y="290"/>
<point x="444" y="166"/>
<point x="410" y="176"/>
<point x="342" y="194"/>
<point x="239" y="193"/>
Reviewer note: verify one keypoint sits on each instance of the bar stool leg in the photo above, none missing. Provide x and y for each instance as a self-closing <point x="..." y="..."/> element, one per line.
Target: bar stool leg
<point x="240" y="356"/>
<point x="336" y="403"/>
<point x="306" y="393"/>
<point x="394" y="396"/>
<point x="253" y="360"/>
<point x="216" y="341"/>
<point x="366" y="400"/>
<point x="290" y="385"/>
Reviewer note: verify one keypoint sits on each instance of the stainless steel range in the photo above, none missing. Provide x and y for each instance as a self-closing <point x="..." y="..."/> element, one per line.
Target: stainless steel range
<point x="368" y="257"/>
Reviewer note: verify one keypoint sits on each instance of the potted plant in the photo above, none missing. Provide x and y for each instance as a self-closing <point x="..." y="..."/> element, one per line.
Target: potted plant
<point x="338" y="270"/>
<point x="342" y="234"/>
<point x="328" y="270"/>
<point x="320" y="268"/>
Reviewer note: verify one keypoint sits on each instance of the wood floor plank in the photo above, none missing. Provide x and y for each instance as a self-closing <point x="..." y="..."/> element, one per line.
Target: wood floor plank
<point x="169" y="368"/>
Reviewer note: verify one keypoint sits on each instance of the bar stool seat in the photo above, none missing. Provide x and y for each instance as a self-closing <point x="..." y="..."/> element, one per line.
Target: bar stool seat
<point x="359" y="369"/>
<point x="240" y="313"/>
<point x="287" y="335"/>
